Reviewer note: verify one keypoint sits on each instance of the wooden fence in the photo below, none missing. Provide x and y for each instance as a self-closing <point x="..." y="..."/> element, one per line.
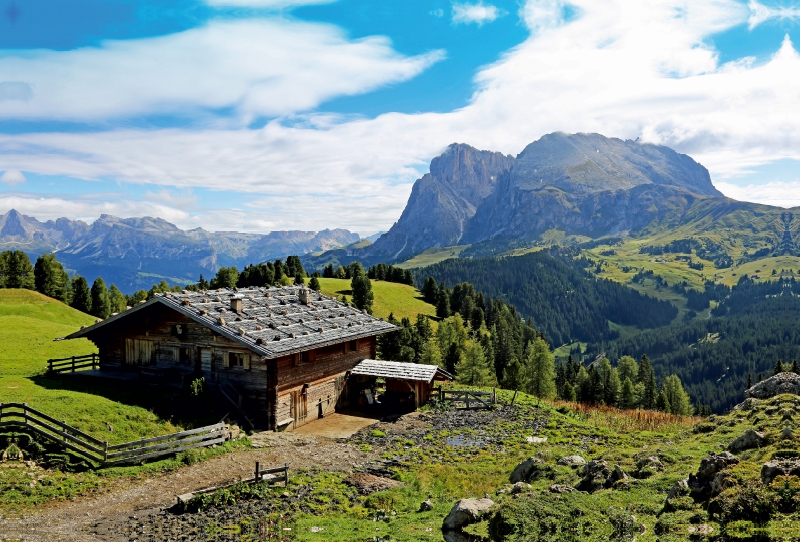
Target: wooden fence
<point x="70" y="365"/>
<point x="261" y="475"/>
<point x="24" y="418"/>
<point x="465" y="399"/>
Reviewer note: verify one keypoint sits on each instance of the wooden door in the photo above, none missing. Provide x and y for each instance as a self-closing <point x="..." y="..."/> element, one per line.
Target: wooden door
<point x="139" y="352"/>
<point x="205" y="359"/>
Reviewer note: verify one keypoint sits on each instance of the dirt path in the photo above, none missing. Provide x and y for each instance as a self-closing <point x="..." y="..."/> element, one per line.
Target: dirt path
<point x="75" y="520"/>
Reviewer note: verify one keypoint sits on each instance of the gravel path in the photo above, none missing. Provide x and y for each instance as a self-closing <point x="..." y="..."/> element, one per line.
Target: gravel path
<point x="79" y="520"/>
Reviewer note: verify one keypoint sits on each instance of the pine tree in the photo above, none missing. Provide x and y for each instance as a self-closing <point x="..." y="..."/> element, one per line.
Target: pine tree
<point x="749" y="380"/>
<point x="362" y="292"/>
<point x="328" y="272"/>
<point x="778" y="368"/>
<point x="472" y="367"/>
<point x="627" y="368"/>
<point x="299" y="279"/>
<point x="430" y="291"/>
<point x="611" y="384"/>
<point x="202" y="283"/>
<point x="647" y="377"/>
<point x="100" y="304"/>
<point x="514" y="375"/>
<point x="678" y="400"/>
<point x="627" y="394"/>
<point x="662" y="403"/>
<point x="49" y="276"/>
<point x="539" y="369"/>
<point x="16" y="270"/>
<point x="314" y="284"/>
<point x="568" y="392"/>
<point x="116" y="299"/>
<point x="443" y="304"/>
<point x="760" y="377"/>
<point x="81" y="295"/>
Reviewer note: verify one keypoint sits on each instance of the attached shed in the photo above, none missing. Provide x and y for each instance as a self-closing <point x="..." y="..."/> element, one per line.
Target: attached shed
<point x="403" y="377"/>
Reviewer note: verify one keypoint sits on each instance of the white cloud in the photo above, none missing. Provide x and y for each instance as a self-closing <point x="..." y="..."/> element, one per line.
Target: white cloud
<point x="12" y="177"/>
<point x="267" y="4"/>
<point x="478" y="13"/>
<point x="623" y="68"/>
<point x="777" y="193"/>
<point x="759" y="13"/>
<point x="258" y="67"/>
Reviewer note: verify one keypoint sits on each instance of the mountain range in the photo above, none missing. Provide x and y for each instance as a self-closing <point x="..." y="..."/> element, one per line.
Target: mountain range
<point x="576" y="187"/>
<point x="135" y="252"/>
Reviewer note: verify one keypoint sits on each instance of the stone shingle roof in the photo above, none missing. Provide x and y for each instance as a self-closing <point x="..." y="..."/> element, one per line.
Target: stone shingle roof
<point x="273" y="322"/>
<point x="399" y="370"/>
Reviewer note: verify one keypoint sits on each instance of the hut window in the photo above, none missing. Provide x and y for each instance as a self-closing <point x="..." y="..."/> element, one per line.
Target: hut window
<point x="236" y="359"/>
<point x="306" y="356"/>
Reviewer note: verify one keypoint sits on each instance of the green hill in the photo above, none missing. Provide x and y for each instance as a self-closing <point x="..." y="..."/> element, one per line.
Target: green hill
<point x="29" y="322"/>
<point x="390" y="297"/>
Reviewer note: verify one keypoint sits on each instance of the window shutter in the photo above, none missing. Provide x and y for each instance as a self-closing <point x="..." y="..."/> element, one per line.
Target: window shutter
<point x="247" y="359"/>
<point x="226" y="360"/>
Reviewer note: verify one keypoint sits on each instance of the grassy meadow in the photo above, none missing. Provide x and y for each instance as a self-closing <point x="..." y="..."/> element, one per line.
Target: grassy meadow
<point x="390" y="297"/>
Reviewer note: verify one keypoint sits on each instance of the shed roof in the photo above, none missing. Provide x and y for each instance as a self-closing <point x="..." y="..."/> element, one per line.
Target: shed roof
<point x="273" y="322"/>
<point x="400" y="371"/>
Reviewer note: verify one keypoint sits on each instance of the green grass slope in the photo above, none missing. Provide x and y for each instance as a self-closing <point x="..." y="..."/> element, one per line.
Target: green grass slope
<point x="390" y="297"/>
<point x="29" y="322"/>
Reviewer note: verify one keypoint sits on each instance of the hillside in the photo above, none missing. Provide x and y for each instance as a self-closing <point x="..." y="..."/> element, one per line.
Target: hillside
<point x="29" y="322"/>
<point x="564" y="302"/>
<point x="543" y="471"/>
<point x="390" y="298"/>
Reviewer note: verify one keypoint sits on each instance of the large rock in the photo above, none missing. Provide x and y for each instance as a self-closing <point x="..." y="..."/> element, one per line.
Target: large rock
<point x="779" y="467"/>
<point x="648" y="466"/>
<point x="703" y="482"/>
<point x="525" y="470"/>
<point x="775" y="385"/>
<point x="466" y="512"/>
<point x="678" y="488"/>
<point x="572" y="461"/>
<point x="750" y="439"/>
<point x="595" y="474"/>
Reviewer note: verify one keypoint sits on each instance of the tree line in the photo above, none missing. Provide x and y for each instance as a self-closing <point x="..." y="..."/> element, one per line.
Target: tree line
<point x="554" y="290"/>
<point x="748" y="331"/>
<point x="485" y="342"/>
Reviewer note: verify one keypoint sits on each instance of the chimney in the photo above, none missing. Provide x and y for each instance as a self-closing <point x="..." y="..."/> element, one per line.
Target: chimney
<point x="305" y="296"/>
<point x="236" y="304"/>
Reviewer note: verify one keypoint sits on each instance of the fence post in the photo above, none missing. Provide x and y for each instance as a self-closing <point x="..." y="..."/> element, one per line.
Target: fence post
<point x="105" y="453"/>
<point x="25" y="412"/>
<point x="441" y="394"/>
<point x="73" y="364"/>
<point x="286" y="474"/>
<point x="494" y="396"/>
<point x="255" y="478"/>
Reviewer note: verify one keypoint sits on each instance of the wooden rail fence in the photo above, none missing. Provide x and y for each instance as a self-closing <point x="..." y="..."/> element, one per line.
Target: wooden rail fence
<point x="70" y="365"/>
<point x="261" y="475"/>
<point x="22" y="417"/>
<point x="465" y="399"/>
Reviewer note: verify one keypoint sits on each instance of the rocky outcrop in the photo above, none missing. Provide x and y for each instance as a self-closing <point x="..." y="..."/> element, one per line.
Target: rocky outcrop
<point x="598" y="475"/>
<point x="466" y="512"/>
<point x="775" y="385"/>
<point x="442" y="202"/>
<point x="708" y="479"/>
<point x="648" y="466"/>
<point x="572" y="461"/>
<point x="525" y="471"/>
<point x="750" y="439"/>
<point x="779" y="467"/>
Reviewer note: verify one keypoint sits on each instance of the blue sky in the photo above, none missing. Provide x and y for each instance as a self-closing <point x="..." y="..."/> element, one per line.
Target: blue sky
<point x="303" y="114"/>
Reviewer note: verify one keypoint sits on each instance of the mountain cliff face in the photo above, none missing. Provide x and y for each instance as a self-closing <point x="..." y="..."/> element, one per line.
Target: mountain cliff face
<point x="135" y="252"/>
<point x="583" y="184"/>
<point x="443" y="201"/>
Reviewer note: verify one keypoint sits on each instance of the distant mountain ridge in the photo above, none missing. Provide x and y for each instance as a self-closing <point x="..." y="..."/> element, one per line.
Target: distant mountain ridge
<point x="584" y="185"/>
<point x="135" y="252"/>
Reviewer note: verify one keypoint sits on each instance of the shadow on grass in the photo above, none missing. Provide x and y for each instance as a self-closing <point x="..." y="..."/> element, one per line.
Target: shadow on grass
<point x="168" y="403"/>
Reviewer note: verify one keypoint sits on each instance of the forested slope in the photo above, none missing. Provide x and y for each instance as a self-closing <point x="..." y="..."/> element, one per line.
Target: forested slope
<point x="748" y="332"/>
<point x="552" y="289"/>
